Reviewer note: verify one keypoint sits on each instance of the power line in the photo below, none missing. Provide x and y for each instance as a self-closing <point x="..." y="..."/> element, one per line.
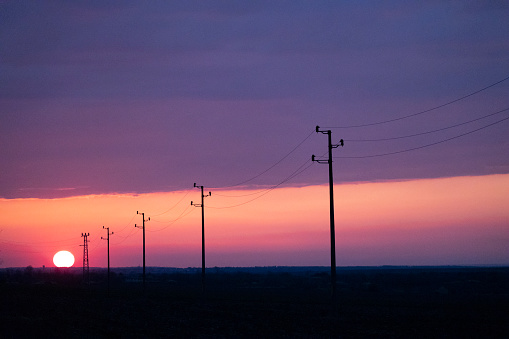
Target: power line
<point x="240" y="195"/>
<point x="261" y="193"/>
<point x="423" y="146"/>
<point x="181" y="216"/>
<point x="131" y="233"/>
<point x="129" y="223"/>
<point x="96" y="243"/>
<point x="248" y="194"/>
<point x="430" y="132"/>
<point x="425" y="111"/>
<point x="274" y="165"/>
<point x="169" y="209"/>
<point x="295" y="173"/>
<point x="266" y="189"/>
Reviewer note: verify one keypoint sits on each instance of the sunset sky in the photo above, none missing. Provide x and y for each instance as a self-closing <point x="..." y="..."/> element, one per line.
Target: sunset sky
<point x="108" y="108"/>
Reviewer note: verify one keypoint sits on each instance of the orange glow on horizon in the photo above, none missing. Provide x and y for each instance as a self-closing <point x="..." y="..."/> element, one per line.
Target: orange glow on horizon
<point x="461" y="220"/>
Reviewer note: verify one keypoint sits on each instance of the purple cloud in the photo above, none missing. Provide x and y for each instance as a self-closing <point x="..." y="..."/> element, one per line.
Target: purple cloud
<point x="124" y="97"/>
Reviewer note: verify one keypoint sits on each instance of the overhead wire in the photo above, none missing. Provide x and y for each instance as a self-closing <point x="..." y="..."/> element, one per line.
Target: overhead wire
<point x="124" y="238"/>
<point x="423" y="146"/>
<point x="131" y="233"/>
<point x="240" y="195"/>
<point x="272" y="166"/>
<point x="430" y="132"/>
<point x="295" y="173"/>
<point x="172" y="207"/>
<point x="424" y="111"/>
<point x="181" y="216"/>
<point x="95" y="242"/>
<point x="129" y="223"/>
<point x="167" y="221"/>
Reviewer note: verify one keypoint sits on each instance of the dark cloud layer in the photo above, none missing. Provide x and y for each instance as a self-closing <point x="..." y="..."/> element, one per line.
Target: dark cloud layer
<point x="101" y="97"/>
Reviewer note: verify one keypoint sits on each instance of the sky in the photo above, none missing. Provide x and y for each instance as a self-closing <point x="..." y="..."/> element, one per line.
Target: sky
<point x="108" y="108"/>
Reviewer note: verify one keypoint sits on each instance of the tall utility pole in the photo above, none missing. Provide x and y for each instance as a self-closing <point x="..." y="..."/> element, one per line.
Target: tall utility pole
<point x="143" y="227"/>
<point x="85" y="256"/>
<point x="202" y="234"/>
<point x="108" y="240"/>
<point x="331" y="198"/>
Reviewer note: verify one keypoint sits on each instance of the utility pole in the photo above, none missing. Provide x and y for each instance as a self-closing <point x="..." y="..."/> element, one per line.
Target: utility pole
<point x="331" y="198"/>
<point x="85" y="256"/>
<point x="108" y="240"/>
<point x="202" y="234"/>
<point x="143" y="227"/>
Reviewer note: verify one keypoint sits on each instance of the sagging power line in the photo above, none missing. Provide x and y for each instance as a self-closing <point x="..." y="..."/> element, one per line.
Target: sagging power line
<point x="172" y="207"/>
<point x="423" y="146"/>
<point x="183" y="214"/>
<point x="272" y="166"/>
<point x="302" y="168"/>
<point x="431" y="131"/>
<point x="424" y="111"/>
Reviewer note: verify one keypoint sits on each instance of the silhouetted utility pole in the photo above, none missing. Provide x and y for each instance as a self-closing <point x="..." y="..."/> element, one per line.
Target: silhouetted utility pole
<point x="331" y="198"/>
<point x="202" y="234"/>
<point x="143" y="227"/>
<point x="108" y="240"/>
<point x="85" y="256"/>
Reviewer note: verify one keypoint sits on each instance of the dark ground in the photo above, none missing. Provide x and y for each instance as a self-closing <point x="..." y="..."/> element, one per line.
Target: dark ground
<point x="370" y="302"/>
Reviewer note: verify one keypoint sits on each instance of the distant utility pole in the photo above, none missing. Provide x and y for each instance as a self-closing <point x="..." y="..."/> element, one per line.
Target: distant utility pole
<point x="202" y="234"/>
<point x="143" y="227"/>
<point x="331" y="198"/>
<point x="108" y="241"/>
<point x="85" y="256"/>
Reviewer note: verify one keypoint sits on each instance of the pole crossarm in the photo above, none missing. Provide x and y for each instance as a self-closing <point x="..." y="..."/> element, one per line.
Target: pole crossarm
<point x="331" y="146"/>
<point x="320" y="161"/>
<point x="341" y="143"/>
<point x="108" y="233"/>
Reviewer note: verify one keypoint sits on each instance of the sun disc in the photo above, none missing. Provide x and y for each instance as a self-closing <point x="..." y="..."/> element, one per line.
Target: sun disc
<point x="63" y="259"/>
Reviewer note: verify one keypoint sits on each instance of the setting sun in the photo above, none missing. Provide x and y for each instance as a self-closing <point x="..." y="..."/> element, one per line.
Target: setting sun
<point x="63" y="259"/>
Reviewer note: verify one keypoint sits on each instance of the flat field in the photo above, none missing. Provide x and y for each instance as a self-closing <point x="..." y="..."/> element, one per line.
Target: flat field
<point x="427" y="302"/>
